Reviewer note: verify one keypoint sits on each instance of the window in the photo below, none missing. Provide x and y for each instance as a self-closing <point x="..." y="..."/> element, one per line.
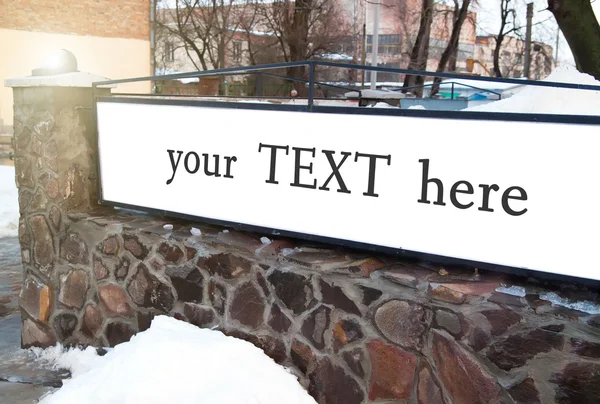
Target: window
<point x="385" y="49"/>
<point x="237" y="52"/>
<point x="389" y="49"/>
<point x="169" y="52"/>
<point x="393" y="39"/>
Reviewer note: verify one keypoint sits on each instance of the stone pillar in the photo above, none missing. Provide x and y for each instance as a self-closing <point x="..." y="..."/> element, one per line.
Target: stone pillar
<point x="55" y="164"/>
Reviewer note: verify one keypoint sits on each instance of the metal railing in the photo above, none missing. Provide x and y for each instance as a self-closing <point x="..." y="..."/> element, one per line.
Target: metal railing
<point x="311" y="84"/>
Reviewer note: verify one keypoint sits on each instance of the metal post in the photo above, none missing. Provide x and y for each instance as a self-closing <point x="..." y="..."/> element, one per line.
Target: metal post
<point x="528" y="41"/>
<point x="452" y="93"/>
<point x="363" y="59"/>
<point x="557" y="43"/>
<point x="311" y="85"/>
<point x="153" y="43"/>
<point x="375" y="42"/>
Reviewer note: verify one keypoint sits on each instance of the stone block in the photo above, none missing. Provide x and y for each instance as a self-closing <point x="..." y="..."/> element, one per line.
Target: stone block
<point x="36" y="335"/>
<point x="36" y="299"/>
<point x="302" y="355"/>
<point x="392" y="372"/>
<point x="248" y="305"/>
<point x="92" y="320"/>
<point x="315" y="325"/>
<point x="198" y="315"/>
<point x="74" y="250"/>
<point x="402" y="322"/>
<point x="43" y="246"/>
<point x="464" y="377"/>
<point x="330" y="384"/>
<point x="133" y="244"/>
<point x="227" y="266"/>
<point x="335" y="296"/>
<point x="516" y="350"/>
<point x="525" y="392"/>
<point x="369" y="295"/>
<point x="64" y="325"/>
<point x="117" y="333"/>
<point x="278" y="320"/>
<point x="428" y="392"/>
<point x="577" y="383"/>
<point x="294" y="290"/>
<point x="355" y="360"/>
<point x="115" y="300"/>
<point x="146" y="290"/>
<point x="346" y="332"/>
<point x="73" y="289"/>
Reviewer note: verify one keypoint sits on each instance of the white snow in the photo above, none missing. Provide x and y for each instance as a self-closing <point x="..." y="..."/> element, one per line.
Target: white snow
<point x="9" y="203"/>
<point x="584" y="306"/>
<point x="265" y="240"/>
<point x="168" y="226"/>
<point x="462" y="84"/>
<point x="551" y="100"/>
<point x="512" y="290"/>
<point x="175" y="362"/>
<point x="376" y="94"/>
<point x="287" y="251"/>
<point x="195" y="231"/>
<point x="336" y="56"/>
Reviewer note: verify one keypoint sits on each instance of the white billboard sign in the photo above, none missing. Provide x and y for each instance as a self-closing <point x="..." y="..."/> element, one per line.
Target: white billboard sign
<point x="517" y="194"/>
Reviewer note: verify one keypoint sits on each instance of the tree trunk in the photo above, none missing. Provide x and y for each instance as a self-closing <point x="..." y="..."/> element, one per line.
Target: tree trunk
<point x="420" y="51"/>
<point x="578" y="23"/>
<point x="452" y="47"/>
<point x="499" y="40"/>
<point x="298" y="42"/>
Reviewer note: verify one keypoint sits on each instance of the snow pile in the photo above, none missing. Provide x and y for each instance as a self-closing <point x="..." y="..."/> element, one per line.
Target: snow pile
<point x="9" y="203"/>
<point x="175" y="362"/>
<point x="584" y="306"/>
<point x="550" y="100"/>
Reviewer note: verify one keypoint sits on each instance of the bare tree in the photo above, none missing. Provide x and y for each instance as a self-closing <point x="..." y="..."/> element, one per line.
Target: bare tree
<point x="420" y="50"/>
<point x="304" y="29"/>
<point x="203" y="28"/>
<point x="508" y="25"/>
<point x="459" y="17"/>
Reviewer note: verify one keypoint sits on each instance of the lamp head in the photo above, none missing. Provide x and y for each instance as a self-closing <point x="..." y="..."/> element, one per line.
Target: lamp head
<point x="59" y="62"/>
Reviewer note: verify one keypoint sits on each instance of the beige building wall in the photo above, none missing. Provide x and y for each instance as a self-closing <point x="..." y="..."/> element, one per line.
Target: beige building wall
<point x="23" y="51"/>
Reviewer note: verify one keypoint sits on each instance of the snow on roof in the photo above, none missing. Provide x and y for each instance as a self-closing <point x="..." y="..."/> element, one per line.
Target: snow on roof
<point x="174" y="362"/>
<point x="463" y="84"/>
<point x="552" y="100"/>
<point x="376" y="94"/>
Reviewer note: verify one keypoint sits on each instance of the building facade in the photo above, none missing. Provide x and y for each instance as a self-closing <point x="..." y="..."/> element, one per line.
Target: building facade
<point x="110" y="38"/>
<point x="398" y="27"/>
<point x="512" y="58"/>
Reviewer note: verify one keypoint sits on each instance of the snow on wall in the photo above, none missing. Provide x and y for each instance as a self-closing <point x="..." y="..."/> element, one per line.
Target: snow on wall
<point x="175" y="362"/>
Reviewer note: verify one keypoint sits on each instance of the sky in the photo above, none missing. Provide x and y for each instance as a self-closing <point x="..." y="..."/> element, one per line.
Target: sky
<point x="546" y="29"/>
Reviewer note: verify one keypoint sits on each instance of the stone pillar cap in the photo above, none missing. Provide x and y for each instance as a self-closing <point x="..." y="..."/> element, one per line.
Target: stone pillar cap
<point x="74" y="79"/>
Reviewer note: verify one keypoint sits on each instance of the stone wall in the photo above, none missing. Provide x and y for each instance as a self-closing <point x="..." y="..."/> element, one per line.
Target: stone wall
<point x="354" y="327"/>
